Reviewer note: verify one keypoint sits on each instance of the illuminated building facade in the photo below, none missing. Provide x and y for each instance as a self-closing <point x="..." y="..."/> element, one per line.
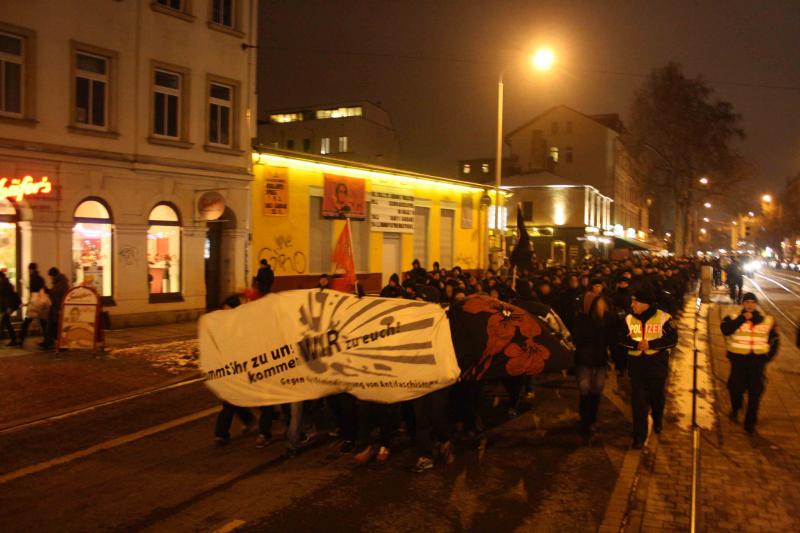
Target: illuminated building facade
<point x="137" y="115"/>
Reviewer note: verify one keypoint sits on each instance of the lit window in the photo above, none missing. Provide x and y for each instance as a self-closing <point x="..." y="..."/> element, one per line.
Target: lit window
<point x="485" y="168"/>
<point x="467" y="168"/>
<point x="554" y="154"/>
<point x="275" y="144"/>
<point x="164" y="250"/>
<point x="11" y="74"/>
<point x="340" y="112"/>
<point x="554" y="128"/>
<point x="91" y="246"/>
<point x="91" y="90"/>
<point x="290" y="144"/>
<point x="222" y="12"/>
<point x="167" y="104"/>
<point x="177" y="5"/>
<point x="282" y="118"/>
<point x="342" y="144"/>
<point x="325" y="145"/>
<point x="220" y="107"/>
<point x="568" y="154"/>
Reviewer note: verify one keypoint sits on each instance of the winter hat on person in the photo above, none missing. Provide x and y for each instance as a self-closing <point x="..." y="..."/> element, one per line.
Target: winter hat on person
<point x="645" y="297"/>
<point x="749" y="296"/>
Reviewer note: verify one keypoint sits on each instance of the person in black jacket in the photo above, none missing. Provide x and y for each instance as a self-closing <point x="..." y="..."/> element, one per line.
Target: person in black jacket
<point x="594" y="335"/>
<point x="265" y="277"/>
<point x="36" y="283"/>
<point x="393" y="289"/>
<point x="649" y="335"/>
<point x="9" y="303"/>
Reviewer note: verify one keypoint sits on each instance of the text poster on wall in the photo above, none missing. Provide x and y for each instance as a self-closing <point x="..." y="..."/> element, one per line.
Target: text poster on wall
<point x="276" y="191"/>
<point x="466" y="211"/>
<point x="345" y="197"/>
<point x="392" y="210"/>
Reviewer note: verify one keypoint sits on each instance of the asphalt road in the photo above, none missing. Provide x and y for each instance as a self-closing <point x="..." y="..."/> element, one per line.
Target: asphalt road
<point x="151" y="464"/>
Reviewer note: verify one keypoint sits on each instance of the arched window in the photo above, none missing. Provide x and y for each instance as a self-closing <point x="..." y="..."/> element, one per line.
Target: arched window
<point x="92" y="245"/>
<point x="8" y="240"/>
<point x="164" y="250"/>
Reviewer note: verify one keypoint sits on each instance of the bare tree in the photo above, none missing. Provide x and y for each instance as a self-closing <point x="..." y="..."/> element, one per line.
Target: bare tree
<point x="679" y="132"/>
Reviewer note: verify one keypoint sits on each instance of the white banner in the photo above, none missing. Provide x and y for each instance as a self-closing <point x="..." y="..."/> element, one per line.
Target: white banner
<point x="301" y="345"/>
<point x="392" y="210"/>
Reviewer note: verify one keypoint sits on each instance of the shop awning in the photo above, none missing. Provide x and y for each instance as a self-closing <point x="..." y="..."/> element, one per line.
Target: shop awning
<point x="622" y="242"/>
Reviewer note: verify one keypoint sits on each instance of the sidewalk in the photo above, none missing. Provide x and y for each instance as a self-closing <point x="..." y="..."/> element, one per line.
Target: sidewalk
<point x="746" y="483"/>
<point x="36" y="383"/>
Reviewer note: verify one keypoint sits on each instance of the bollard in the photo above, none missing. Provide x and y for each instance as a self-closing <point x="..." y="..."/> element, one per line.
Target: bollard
<point x="706" y="282"/>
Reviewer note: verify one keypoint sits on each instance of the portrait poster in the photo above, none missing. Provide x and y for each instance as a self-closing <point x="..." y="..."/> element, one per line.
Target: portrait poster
<point x="93" y="277"/>
<point x="344" y="197"/>
<point x="276" y="191"/>
<point x="78" y="327"/>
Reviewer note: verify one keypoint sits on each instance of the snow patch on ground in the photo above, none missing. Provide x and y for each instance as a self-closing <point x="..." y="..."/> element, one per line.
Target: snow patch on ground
<point x="173" y="356"/>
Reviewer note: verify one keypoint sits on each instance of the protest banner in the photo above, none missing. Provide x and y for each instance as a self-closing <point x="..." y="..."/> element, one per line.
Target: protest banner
<point x="307" y="344"/>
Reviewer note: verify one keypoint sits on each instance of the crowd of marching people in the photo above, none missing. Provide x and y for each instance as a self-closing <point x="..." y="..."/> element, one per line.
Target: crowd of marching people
<point x="611" y="313"/>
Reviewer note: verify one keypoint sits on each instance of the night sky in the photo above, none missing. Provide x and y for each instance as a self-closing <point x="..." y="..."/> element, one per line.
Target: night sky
<point x="434" y="65"/>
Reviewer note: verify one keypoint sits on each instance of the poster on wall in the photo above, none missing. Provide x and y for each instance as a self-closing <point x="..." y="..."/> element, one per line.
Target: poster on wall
<point x="276" y="191"/>
<point x="391" y="209"/>
<point x="93" y="277"/>
<point x="466" y="211"/>
<point x="78" y="327"/>
<point x="344" y="197"/>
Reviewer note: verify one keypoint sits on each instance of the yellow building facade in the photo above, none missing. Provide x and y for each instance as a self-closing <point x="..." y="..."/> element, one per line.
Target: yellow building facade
<point x="441" y="220"/>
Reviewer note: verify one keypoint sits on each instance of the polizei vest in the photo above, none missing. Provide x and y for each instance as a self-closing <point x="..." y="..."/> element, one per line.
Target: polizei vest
<point x="653" y="329"/>
<point x="750" y="338"/>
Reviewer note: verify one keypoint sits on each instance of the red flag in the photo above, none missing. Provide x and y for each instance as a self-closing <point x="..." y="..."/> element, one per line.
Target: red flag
<point x="344" y="262"/>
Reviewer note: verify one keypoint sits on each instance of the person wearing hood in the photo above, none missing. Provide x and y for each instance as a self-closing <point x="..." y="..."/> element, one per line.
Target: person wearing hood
<point x="649" y="335"/>
<point x="265" y="277"/>
<point x="417" y="274"/>
<point x="393" y="289"/>
<point x="752" y="341"/>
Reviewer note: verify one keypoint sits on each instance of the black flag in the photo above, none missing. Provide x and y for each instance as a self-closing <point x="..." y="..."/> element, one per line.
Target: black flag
<point x="521" y="256"/>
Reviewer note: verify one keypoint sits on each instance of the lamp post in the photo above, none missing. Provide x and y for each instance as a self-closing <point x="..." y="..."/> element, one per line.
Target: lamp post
<point x="542" y="60"/>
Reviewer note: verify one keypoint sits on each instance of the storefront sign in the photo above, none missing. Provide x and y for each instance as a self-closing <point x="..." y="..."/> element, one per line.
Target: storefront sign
<point x="319" y="343"/>
<point x="18" y="188"/>
<point x="345" y="197"/>
<point x="466" y="211"/>
<point x="79" y="323"/>
<point x="211" y="205"/>
<point x="392" y="210"/>
<point x="276" y="191"/>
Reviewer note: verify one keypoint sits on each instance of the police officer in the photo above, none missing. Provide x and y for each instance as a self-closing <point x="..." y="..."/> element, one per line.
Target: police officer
<point x="649" y="334"/>
<point x="752" y="341"/>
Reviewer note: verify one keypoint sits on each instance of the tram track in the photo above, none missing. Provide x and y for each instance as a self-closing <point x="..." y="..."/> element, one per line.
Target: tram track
<point x="771" y="301"/>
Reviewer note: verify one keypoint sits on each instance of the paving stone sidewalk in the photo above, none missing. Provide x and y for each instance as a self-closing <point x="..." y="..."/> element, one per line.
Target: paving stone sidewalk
<point x="747" y="483"/>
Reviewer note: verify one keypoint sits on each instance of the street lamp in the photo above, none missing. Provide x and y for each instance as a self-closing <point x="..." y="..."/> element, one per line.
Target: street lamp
<point x="704" y="180"/>
<point x="705" y="219"/>
<point x="542" y="60"/>
<point x="767" y="198"/>
<point x="707" y="205"/>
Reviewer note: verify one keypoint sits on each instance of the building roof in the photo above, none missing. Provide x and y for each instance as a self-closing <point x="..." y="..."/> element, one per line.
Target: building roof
<point x="316" y="107"/>
<point x="540" y="178"/>
<point x="321" y="159"/>
<point x="607" y="120"/>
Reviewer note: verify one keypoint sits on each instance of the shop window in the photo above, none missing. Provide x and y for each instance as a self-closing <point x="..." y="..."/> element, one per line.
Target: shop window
<point x="164" y="251"/>
<point x="8" y="241"/>
<point x="92" y="246"/>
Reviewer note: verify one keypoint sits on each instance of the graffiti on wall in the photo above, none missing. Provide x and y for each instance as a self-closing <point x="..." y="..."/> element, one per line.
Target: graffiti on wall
<point x="282" y="256"/>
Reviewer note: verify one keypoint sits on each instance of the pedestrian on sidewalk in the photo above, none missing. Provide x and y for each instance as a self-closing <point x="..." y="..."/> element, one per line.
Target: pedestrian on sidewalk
<point x="58" y="290"/>
<point x="38" y="303"/>
<point x="9" y="303"/>
<point x="752" y="341"/>
<point x="594" y="335"/>
<point x="265" y="277"/>
<point x="649" y="334"/>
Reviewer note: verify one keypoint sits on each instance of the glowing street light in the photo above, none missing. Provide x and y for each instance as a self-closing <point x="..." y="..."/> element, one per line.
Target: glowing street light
<point x="705" y="219"/>
<point x="751" y="214"/>
<point x="543" y="59"/>
<point x="668" y="234"/>
<point x="707" y="205"/>
<point x="767" y="198"/>
<point x="704" y="180"/>
<point x="703" y="231"/>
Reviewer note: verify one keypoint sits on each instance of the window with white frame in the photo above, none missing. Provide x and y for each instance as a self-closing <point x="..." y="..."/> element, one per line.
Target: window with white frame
<point x="91" y="90"/>
<point x="12" y="61"/>
<point x="342" y="144"/>
<point x="222" y="12"/>
<point x="167" y="88"/>
<point x="325" y="145"/>
<point x="220" y="114"/>
<point x="177" y="5"/>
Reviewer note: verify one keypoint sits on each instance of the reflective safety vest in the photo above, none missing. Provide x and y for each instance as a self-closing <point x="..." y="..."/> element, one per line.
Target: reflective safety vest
<point x="750" y="339"/>
<point x="653" y="329"/>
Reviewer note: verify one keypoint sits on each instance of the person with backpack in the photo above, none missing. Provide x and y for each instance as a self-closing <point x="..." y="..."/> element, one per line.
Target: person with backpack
<point x="9" y="303"/>
<point x="38" y="303"/>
